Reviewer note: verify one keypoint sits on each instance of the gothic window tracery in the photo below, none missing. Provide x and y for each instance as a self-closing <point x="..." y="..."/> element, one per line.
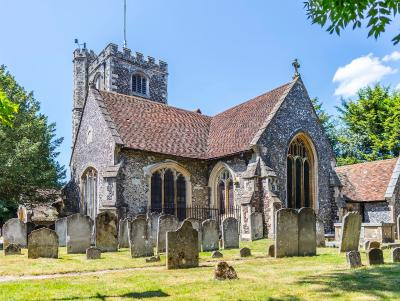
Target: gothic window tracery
<point x="225" y="191"/>
<point x="89" y="192"/>
<point x="139" y="84"/>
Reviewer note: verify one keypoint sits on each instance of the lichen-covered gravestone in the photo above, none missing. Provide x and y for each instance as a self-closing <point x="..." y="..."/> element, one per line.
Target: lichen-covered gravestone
<point x="12" y="249"/>
<point x="396" y="255"/>
<point x="320" y="232"/>
<point x="79" y="233"/>
<point x="223" y="271"/>
<point x="123" y="233"/>
<point x="230" y="233"/>
<point x="374" y="256"/>
<point x="307" y="232"/>
<point x="61" y="230"/>
<point x="196" y="224"/>
<point x="107" y="231"/>
<point x="152" y="220"/>
<point x="271" y="251"/>
<point x="139" y="239"/>
<point x="166" y="222"/>
<point x="245" y="252"/>
<point x="256" y="226"/>
<point x="43" y="243"/>
<point x="93" y="253"/>
<point x="14" y="232"/>
<point x="353" y="259"/>
<point x="287" y="233"/>
<point x="210" y="235"/>
<point x="182" y="247"/>
<point x="351" y="230"/>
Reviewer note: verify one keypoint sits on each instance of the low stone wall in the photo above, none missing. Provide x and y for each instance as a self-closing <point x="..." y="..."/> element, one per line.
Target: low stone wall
<point x="382" y="232"/>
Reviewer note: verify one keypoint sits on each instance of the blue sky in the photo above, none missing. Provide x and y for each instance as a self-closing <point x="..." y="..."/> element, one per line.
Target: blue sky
<point x="220" y="53"/>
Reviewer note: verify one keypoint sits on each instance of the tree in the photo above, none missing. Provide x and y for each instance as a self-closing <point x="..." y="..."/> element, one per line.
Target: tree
<point x="27" y="150"/>
<point x="339" y="14"/>
<point x="7" y="110"/>
<point x="327" y="121"/>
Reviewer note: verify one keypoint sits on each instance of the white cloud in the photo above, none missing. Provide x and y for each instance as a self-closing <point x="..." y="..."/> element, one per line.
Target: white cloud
<point x="359" y="73"/>
<point x="397" y="87"/>
<point x="394" y="56"/>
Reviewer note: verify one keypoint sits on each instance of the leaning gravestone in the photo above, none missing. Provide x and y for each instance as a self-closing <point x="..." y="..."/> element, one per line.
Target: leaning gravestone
<point x="123" y="233"/>
<point x="307" y="232"/>
<point x="79" y="233"/>
<point x="139" y="239"/>
<point x="43" y="243"/>
<point x="14" y="232"/>
<point x="12" y="249"/>
<point x="256" y="226"/>
<point x="61" y="230"/>
<point x="230" y="233"/>
<point x="396" y="255"/>
<point x="350" y="235"/>
<point x="374" y="256"/>
<point x="166" y="222"/>
<point x="107" y="231"/>
<point x="287" y="233"/>
<point x="152" y="220"/>
<point x="182" y="247"/>
<point x="196" y="224"/>
<point x="353" y="259"/>
<point x="210" y="235"/>
<point x="320" y="228"/>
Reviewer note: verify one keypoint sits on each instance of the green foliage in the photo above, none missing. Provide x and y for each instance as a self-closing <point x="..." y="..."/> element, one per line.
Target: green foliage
<point x="7" y="110"/>
<point x="327" y="121"/>
<point x="28" y="149"/>
<point x="339" y="14"/>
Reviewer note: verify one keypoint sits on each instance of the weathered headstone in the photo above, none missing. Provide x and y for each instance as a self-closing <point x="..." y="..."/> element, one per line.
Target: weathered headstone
<point x="353" y="259"/>
<point x="61" y="230"/>
<point x="256" y="226"/>
<point x="107" y="231"/>
<point x="93" y="253"/>
<point x="123" y="233"/>
<point x="230" y="233"/>
<point x="79" y="233"/>
<point x="374" y="256"/>
<point x="166" y="222"/>
<point x="224" y="271"/>
<point x="152" y="220"/>
<point x="43" y="243"/>
<point x="139" y="240"/>
<point x="196" y="224"/>
<point x="307" y="232"/>
<point x="350" y="233"/>
<point x="320" y="228"/>
<point x="396" y="255"/>
<point x="182" y="247"/>
<point x="271" y="251"/>
<point x="245" y="252"/>
<point x="287" y="233"/>
<point x="374" y="245"/>
<point x="12" y="249"/>
<point x="14" y="232"/>
<point x="217" y="254"/>
<point x="210" y="235"/>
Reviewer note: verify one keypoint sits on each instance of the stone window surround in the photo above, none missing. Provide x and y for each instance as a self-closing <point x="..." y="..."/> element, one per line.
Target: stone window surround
<point x="146" y="76"/>
<point x="176" y="168"/>
<point x="213" y="182"/>
<point x="96" y="196"/>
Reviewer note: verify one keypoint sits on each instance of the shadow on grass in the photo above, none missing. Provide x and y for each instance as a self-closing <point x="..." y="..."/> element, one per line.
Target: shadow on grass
<point x="132" y="295"/>
<point x="372" y="281"/>
<point x="288" y="298"/>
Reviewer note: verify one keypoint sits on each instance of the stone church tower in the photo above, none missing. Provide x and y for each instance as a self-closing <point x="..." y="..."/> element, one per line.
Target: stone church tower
<point x="116" y="71"/>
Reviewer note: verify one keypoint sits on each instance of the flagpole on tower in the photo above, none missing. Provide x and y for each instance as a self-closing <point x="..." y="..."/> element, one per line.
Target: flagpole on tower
<point x="125" y="42"/>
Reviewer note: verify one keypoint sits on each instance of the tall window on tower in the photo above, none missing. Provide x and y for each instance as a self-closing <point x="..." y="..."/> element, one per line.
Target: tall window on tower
<point x="300" y="175"/>
<point x="139" y="84"/>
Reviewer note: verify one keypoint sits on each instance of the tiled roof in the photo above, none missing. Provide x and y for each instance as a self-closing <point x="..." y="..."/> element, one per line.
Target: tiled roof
<point x="366" y="182"/>
<point x="151" y="126"/>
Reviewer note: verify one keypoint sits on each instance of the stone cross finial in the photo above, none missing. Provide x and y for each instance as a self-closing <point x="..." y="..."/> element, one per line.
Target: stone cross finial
<point x="296" y="66"/>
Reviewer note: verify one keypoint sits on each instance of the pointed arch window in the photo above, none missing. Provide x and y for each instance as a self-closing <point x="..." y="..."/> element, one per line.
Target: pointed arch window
<point x="300" y="176"/>
<point x="225" y="191"/>
<point x="89" y="192"/>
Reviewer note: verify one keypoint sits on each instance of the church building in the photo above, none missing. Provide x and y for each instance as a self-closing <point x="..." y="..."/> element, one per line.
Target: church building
<point x="133" y="153"/>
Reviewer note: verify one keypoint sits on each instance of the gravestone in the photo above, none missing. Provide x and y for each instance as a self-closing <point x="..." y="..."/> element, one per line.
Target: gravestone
<point x="217" y="254"/>
<point x="139" y="240"/>
<point x="245" y="252"/>
<point x="320" y="228"/>
<point x="230" y="233"/>
<point x="223" y="271"/>
<point x="256" y="226"/>
<point x="107" y="231"/>
<point x="123" y="233"/>
<point x="182" y="247"/>
<point x="396" y="255"/>
<point x="210" y="235"/>
<point x="152" y="220"/>
<point x="14" y="232"/>
<point x="153" y="259"/>
<point x="353" y="259"/>
<point x="79" y="233"/>
<point x="12" y="249"/>
<point x="61" y="230"/>
<point x="93" y="253"/>
<point x="307" y="232"/>
<point x="196" y="224"/>
<point x="287" y="233"/>
<point x="43" y="243"/>
<point x="374" y="245"/>
<point x="350" y="233"/>
<point x="374" y="256"/>
<point x="271" y="251"/>
<point x="166" y="222"/>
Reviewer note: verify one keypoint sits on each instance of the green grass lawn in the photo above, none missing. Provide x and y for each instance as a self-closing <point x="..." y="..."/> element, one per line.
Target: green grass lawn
<point x="323" y="277"/>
